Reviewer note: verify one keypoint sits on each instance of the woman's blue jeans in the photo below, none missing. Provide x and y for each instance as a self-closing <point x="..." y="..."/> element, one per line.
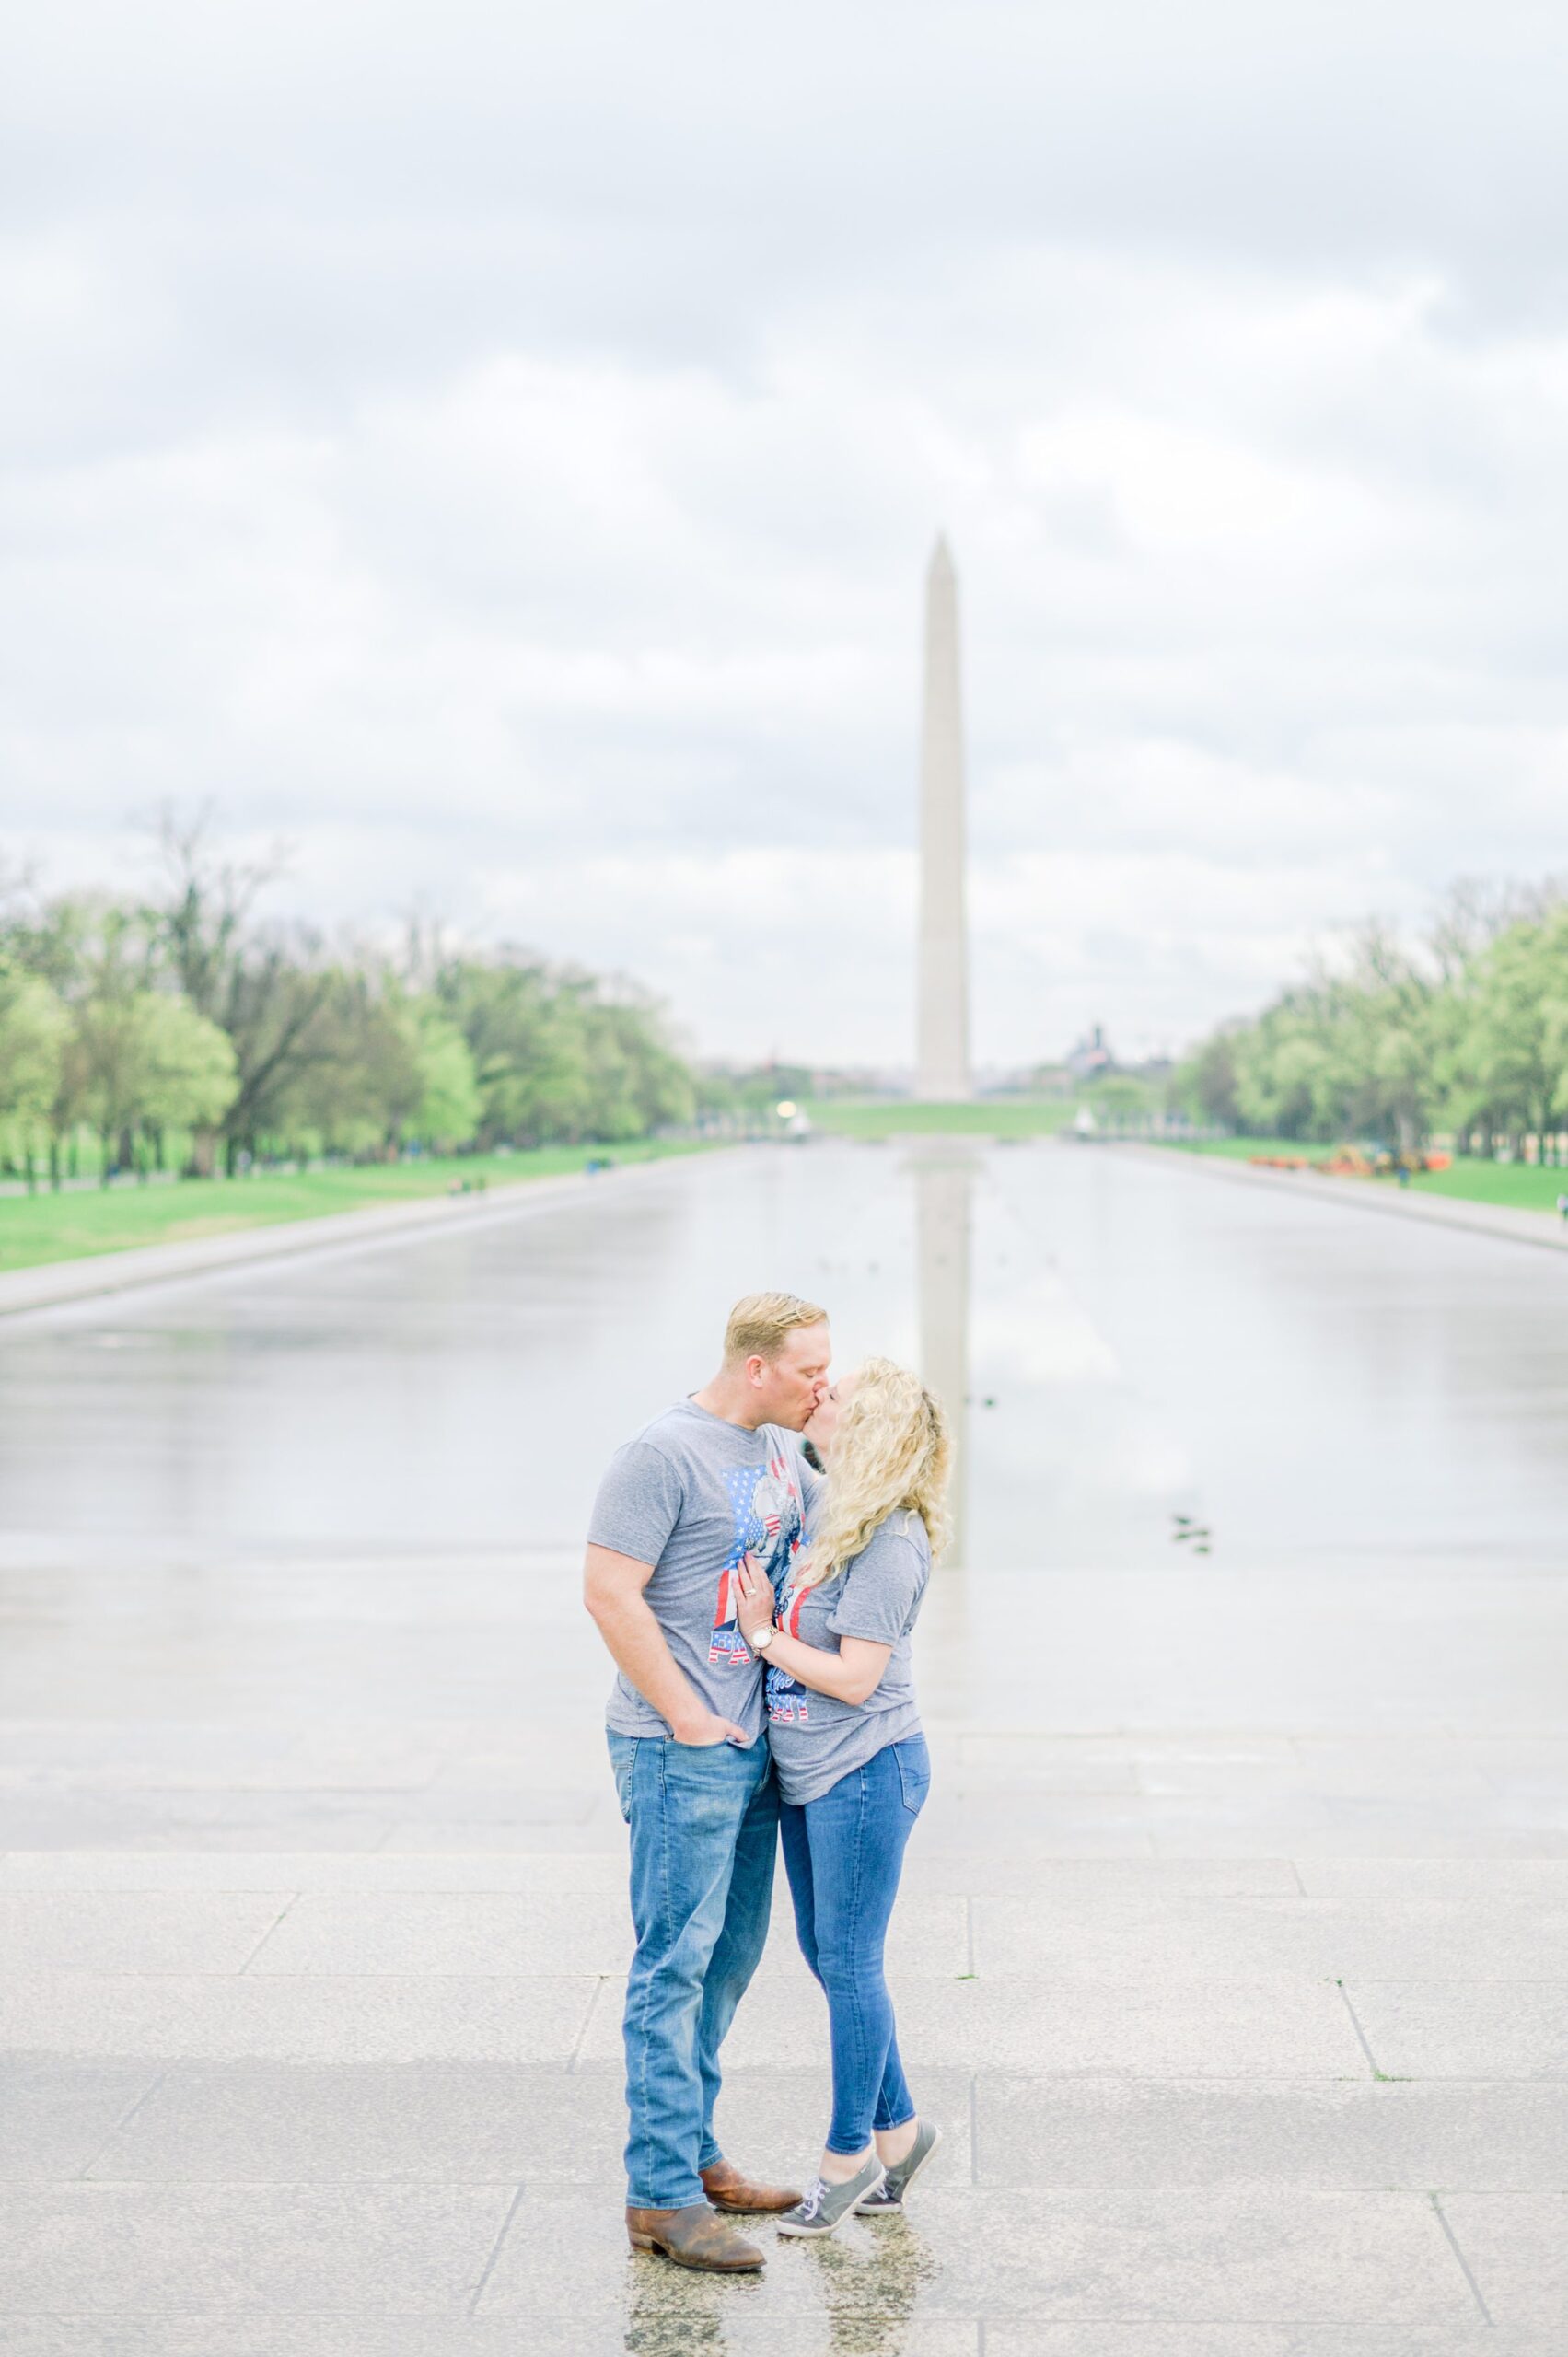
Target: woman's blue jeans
<point x="843" y="1855"/>
<point x="704" y="1834"/>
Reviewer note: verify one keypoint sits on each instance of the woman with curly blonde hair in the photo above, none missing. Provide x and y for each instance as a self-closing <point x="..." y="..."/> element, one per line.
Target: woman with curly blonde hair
<point x="851" y="1761"/>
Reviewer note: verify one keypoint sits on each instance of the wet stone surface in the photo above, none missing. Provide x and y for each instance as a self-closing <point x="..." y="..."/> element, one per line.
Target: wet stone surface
<point x="1231" y="1954"/>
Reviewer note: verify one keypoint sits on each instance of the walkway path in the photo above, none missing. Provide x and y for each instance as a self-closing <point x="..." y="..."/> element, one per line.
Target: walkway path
<point x="1375" y="1195"/>
<point x="1244" y="2031"/>
<point x="1233" y="1956"/>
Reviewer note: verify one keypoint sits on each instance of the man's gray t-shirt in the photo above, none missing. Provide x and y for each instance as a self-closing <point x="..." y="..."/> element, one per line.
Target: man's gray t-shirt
<point x="814" y="1739"/>
<point x="693" y="1495"/>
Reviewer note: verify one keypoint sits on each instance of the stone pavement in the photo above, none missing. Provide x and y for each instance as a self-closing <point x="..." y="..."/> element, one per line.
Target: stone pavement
<point x="1544" y="1229"/>
<point x="1234" y="1963"/>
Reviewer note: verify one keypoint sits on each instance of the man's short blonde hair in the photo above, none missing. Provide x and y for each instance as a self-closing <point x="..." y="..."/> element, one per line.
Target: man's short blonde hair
<point x="758" y="1324"/>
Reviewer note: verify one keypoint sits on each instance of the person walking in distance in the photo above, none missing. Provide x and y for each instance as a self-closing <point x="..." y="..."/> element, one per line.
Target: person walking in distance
<point x="717" y="1478"/>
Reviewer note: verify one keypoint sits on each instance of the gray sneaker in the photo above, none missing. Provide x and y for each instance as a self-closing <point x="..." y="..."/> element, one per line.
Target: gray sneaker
<point x="896" y="2183"/>
<point x="825" y="2207"/>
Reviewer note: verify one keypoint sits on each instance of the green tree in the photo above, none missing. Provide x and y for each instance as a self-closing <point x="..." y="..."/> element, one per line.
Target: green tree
<point x="186" y="1075"/>
<point x="1381" y="1039"/>
<point x="345" y="1054"/>
<point x="526" y="1036"/>
<point x="268" y="989"/>
<point x="450" y="1101"/>
<point x="559" y="1054"/>
<point x="149" y="1063"/>
<point x="114" y="976"/>
<point x="1284" y="1080"/>
<point x="359" y="1088"/>
<point x="34" y="1030"/>
<point x="1204" y="1085"/>
<point x="1510" y="1063"/>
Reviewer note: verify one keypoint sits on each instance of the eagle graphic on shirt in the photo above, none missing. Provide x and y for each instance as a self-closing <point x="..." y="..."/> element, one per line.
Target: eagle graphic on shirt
<point x="765" y="1505"/>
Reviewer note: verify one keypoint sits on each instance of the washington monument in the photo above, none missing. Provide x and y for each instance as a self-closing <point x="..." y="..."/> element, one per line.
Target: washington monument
<point x="942" y="1047"/>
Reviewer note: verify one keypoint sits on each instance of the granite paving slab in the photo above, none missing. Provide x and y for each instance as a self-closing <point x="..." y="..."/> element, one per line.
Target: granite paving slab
<point x="979" y="1769"/>
<point x="47" y="1757"/>
<point x="1204" y="2339"/>
<point x="410" y="1932"/>
<point x="602" y="1834"/>
<point x="1324" y="2133"/>
<point x="158" y="1748"/>
<point x="424" y="1933"/>
<point x="213" y="1819"/>
<point x="1210" y="1937"/>
<point x="287" y="2123"/>
<point x="1515" y="2245"/>
<point x="1386" y="1830"/>
<point x="1311" y="2257"/>
<point x="1333" y="1752"/>
<point x="1058" y="1880"/>
<point x="1218" y="2030"/>
<point x="1461" y="1877"/>
<point x="717" y="2326"/>
<point x="56" y="2111"/>
<point x="1434" y="2029"/>
<point x="511" y="1804"/>
<point x="1433" y="1774"/>
<point x="336" y="1873"/>
<point x="276" y="2248"/>
<point x="125" y="1930"/>
<point x="1055" y="1882"/>
<point x="176" y="2017"/>
<point x="722" y="2329"/>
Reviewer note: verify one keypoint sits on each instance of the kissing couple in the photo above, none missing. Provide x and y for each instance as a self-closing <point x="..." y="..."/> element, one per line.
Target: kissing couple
<point x="757" y="1560"/>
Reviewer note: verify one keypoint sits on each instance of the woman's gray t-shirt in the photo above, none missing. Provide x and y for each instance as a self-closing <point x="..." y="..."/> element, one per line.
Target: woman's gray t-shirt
<point x="815" y="1739"/>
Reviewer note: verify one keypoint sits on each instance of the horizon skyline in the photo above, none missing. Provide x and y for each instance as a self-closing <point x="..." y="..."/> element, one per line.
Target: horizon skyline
<point x="384" y="932"/>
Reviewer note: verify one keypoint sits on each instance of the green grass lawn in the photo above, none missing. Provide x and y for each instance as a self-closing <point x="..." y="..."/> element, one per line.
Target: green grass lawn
<point x="35" y="1229"/>
<point x="991" y="1117"/>
<point x="1522" y="1186"/>
<point x="1240" y="1149"/>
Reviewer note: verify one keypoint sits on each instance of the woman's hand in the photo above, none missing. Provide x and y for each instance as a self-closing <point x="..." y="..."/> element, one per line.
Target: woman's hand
<point x="755" y="1591"/>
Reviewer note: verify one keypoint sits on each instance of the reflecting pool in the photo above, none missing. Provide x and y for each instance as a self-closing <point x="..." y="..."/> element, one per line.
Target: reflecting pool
<point x="1144" y="1363"/>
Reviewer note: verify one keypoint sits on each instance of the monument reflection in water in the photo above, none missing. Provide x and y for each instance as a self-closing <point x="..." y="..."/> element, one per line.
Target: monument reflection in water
<point x="944" y="1184"/>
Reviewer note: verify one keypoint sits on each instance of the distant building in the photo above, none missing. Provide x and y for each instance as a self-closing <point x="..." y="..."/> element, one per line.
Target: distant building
<point x="1091" y="1057"/>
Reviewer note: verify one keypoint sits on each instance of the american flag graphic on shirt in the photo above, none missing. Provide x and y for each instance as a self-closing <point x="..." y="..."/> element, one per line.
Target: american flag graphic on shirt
<point x="765" y="1505"/>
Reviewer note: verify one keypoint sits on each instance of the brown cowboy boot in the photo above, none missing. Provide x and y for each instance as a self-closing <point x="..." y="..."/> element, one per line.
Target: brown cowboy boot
<point x="695" y="2236"/>
<point x="727" y="2188"/>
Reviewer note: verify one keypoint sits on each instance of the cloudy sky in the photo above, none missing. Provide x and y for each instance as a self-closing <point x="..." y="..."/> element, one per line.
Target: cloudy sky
<point x="496" y="447"/>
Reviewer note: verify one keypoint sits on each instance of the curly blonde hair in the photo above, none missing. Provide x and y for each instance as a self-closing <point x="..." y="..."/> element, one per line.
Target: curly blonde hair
<point x="893" y="1450"/>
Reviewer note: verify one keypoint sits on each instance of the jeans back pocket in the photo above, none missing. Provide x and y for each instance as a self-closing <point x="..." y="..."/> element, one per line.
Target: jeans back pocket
<point x="914" y="1771"/>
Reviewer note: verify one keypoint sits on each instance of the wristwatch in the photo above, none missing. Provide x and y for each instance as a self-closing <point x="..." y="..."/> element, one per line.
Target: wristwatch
<point x="760" y="1639"/>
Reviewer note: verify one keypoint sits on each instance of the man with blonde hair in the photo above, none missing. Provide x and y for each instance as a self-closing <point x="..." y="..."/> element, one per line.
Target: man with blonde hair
<point x="709" y="1482"/>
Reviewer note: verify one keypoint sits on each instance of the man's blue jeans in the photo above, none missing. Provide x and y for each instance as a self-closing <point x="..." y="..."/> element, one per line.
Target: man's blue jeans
<point x="704" y="1822"/>
<point x="844" y="1854"/>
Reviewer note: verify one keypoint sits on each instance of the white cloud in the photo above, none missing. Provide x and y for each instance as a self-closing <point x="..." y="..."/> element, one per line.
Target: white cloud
<point x="500" y="450"/>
